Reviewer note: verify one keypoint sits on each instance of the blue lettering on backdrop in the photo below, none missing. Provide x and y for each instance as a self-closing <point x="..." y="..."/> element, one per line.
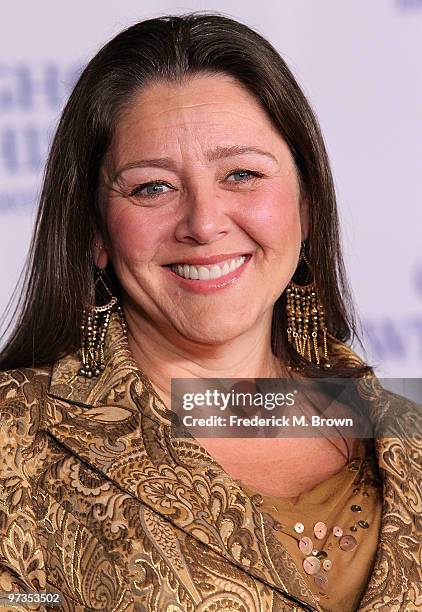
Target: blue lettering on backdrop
<point x="417" y="278"/>
<point x="397" y="339"/>
<point x="416" y="326"/>
<point x="31" y="96"/>
<point x="23" y="149"/>
<point x="394" y="339"/>
<point x="25" y="87"/>
<point x="9" y="151"/>
<point x="409" y="4"/>
<point x="384" y="338"/>
<point x="15" y="201"/>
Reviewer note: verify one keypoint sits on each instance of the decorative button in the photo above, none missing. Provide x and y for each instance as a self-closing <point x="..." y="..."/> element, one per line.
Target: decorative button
<point x="353" y="528"/>
<point x="337" y="531"/>
<point x="311" y="565"/>
<point x="320" y="530"/>
<point x="257" y="499"/>
<point x="363" y="524"/>
<point x="321" y="581"/>
<point x="299" y="527"/>
<point x="305" y="545"/>
<point x="348" y="543"/>
<point x="326" y="564"/>
<point x="355" y="508"/>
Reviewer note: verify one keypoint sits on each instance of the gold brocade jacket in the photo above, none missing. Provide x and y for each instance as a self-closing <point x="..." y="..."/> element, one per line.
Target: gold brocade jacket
<point x="100" y="503"/>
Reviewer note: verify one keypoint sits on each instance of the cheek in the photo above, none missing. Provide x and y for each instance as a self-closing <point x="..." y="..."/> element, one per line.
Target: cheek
<point x="134" y="236"/>
<point x="273" y="218"/>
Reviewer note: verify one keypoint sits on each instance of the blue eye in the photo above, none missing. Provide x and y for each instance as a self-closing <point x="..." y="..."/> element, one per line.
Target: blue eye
<point x="243" y="173"/>
<point x="153" y="185"/>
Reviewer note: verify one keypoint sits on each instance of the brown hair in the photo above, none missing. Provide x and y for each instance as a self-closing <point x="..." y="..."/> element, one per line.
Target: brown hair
<point x="60" y="275"/>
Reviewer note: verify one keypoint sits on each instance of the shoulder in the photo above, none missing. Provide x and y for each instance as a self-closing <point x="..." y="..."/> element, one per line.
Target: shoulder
<point x="397" y="424"/>
<point x="393" y="415"/>
<point x="342" y="351"/>
<point x="21" y="392"/>
<point x="23" y="381"/>
<point x="396" y="420"/>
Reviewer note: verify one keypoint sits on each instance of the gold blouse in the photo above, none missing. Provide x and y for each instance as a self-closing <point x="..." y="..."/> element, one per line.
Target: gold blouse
<point x="332" y="531"/>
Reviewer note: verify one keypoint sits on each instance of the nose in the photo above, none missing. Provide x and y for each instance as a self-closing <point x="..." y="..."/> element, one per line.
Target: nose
<point x="204" y="219"/>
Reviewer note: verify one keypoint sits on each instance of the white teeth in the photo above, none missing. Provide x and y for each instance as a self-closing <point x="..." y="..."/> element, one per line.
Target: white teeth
<point x="206" y="273"/>
<point x="215" y="272"/>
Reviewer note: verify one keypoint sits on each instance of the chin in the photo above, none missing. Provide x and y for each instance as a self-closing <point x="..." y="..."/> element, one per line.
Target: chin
<point x="215" y="334"/>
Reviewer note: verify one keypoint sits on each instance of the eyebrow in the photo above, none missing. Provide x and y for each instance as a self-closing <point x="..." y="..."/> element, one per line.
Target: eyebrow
<point x="212" y="155"/>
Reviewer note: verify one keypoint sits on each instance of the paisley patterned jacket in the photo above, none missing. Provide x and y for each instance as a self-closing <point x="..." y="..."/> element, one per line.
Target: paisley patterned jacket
<point x="98" y="502"/>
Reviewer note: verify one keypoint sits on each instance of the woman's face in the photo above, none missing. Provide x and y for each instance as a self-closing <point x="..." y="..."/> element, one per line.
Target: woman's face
<point x="194" y="171"/>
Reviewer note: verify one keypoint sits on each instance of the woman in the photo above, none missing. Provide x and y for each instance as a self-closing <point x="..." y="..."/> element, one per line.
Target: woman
<point x="187" y="200"/>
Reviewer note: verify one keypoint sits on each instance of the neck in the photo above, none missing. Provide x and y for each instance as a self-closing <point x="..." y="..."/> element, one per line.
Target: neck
<point x="163" y="355"/>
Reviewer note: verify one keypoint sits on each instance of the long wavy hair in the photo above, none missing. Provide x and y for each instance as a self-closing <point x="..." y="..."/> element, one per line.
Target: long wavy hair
<point x="59" y="277"/>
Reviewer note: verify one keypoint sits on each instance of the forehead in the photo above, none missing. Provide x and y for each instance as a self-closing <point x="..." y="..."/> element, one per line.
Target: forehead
<point x="202" y="107"/>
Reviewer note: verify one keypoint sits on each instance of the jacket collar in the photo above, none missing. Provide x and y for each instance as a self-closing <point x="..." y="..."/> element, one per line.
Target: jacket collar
<point x="119" y="418"/>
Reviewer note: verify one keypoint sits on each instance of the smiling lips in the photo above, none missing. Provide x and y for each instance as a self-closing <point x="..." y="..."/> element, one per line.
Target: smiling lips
<point x="207" y="272"/>
<point x="211" y="276"/>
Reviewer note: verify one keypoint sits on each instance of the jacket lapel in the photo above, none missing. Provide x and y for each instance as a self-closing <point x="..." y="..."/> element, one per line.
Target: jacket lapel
<point x="118" y="419"/>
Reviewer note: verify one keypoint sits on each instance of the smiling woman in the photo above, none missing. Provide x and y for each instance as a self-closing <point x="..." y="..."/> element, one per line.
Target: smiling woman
<point x="188" y="229"/>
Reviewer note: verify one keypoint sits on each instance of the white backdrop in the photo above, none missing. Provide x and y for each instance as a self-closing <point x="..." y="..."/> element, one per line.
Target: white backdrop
<point x="359" y="64"/>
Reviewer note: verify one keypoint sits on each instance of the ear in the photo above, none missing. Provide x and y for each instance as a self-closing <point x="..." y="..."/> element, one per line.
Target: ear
<point x="304" y="218"/>
<point x="99" y="251"/>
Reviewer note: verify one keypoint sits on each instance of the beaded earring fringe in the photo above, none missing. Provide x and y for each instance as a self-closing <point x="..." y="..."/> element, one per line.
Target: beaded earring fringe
<point x="93" y="332"/>
<point x="304" y="309"/>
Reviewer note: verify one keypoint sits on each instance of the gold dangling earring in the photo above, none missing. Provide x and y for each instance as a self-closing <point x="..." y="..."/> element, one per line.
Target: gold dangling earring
<point x="94" y="329"/>
<point x="302" y="307"/>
